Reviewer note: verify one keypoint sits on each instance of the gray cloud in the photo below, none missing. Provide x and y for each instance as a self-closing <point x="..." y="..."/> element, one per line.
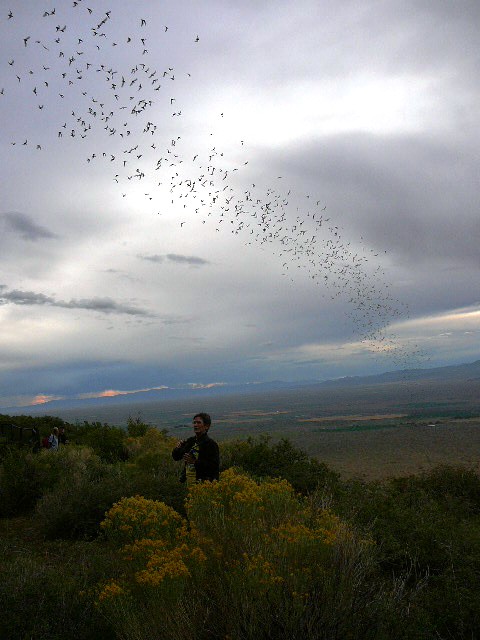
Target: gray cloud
<point x="414" y="196"/>
<point x="102" y="305"/>
<point x="193" y="261"/>
<point x="25" y="227"/>
<point x="158" y="259"/>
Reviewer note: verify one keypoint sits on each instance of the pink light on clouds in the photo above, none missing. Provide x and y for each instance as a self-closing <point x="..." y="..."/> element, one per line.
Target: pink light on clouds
<point x="210" y="385"/>
<point x="43" y="399"/>
<point x="112" y="393"/>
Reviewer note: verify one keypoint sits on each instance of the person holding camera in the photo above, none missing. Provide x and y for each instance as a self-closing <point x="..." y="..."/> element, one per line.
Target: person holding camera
<point x="199" y="453"/>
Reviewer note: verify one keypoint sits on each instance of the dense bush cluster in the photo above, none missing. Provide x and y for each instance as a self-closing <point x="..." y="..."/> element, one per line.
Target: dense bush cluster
<point x="261" y="458"/>
<point x="103" y="534"/>
<point x="254" y="560"/>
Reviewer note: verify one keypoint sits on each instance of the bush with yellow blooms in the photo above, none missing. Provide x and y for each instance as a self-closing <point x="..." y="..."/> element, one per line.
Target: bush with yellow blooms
<point x="247" y="554"/>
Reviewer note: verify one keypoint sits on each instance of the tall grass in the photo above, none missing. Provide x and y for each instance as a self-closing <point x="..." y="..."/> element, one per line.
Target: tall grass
<point x="45" y="590"/>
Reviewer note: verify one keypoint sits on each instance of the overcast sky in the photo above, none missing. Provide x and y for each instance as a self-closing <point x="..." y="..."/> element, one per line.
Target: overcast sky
<point x="208" y="192"/>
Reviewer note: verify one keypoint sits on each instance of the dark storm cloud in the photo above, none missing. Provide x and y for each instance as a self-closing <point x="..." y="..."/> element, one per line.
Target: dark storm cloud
<point x="409" y="198"/>
<point x="101" y="305"/>
<point x="412" y="196"/>
<point x="25" y="227"/>
<point x="192" y="261"/>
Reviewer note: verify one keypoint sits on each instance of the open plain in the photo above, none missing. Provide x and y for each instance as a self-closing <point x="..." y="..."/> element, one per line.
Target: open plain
<point x="370" y="431"/>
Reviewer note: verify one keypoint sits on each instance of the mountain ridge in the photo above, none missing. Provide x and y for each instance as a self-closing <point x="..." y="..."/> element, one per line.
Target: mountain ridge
<point x="449" y="373"/>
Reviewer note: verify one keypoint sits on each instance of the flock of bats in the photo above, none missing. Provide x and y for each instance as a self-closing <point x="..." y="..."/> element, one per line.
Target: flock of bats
<point x="98" y="81"/>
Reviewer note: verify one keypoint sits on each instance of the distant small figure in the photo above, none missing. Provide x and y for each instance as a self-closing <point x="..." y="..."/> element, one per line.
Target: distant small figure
<point x="62" y="436"/>
<point x="34" y="441"/>
<point x="53" y="440"/>
<point x="200" y="453"/>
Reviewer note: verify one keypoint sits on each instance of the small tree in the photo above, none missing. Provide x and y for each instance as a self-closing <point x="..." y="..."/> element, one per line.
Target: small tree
<point x="136" y="427"/>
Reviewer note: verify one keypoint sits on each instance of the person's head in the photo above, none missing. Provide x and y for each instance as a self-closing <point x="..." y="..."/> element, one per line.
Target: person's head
<point x="201" y="423"/>
<point x="55" y="431"/>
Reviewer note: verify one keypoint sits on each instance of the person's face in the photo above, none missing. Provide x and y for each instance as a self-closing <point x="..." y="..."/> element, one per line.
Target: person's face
<point x="199" y="427"/>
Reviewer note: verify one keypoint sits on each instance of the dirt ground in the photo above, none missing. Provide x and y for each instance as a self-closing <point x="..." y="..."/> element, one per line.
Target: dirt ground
<point x="395" y="451"/>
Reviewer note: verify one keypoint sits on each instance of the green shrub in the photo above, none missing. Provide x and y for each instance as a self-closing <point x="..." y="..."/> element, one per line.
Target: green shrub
<point x="154" y="473"/>
<point x="262" y="459"/>
<point x="24" y="476"/>
<point x="107" y="441"/>
<point x="87" y="488"/>
<point x="456" y="488"/>
<point x="136" y="427"/>
<point x="427" y="527"/>
<point x="19" y="490"/>
<point x="403" y="562"/>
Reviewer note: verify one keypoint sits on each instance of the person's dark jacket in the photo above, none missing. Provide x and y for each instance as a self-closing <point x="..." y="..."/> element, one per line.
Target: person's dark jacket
<point x="207" y="464"/>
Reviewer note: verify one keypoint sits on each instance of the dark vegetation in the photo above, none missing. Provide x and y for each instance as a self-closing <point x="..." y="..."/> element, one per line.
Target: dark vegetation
<point x="423" y="564"/>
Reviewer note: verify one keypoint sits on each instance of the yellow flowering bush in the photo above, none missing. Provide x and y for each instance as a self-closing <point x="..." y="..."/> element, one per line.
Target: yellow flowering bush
<point x="261" y="569"/>
<point x="137" y="518"/>
<point x="279" y="501"/>
<point x="301" y="549"/>
<point x="238" y="503"/>
<point x="110" y="590"/>
<point x="257" y="550"/>
<point x="322" y="527"/>
<point x="153" y="444"/>
<point x="161" y="562"/>
<point x="263" y="531"/>
<point x="155" y="545"/>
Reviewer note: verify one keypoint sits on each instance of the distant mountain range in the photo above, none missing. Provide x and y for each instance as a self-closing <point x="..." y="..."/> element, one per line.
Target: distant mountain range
<point x="467" y="372"/>
<point x="451" y="373"/>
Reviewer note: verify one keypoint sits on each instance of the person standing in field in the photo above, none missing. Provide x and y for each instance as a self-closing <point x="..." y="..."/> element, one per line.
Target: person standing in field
<point x="199" y="453"/>
<point x="62" y="436"/>
<point x="53" y="440"/>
